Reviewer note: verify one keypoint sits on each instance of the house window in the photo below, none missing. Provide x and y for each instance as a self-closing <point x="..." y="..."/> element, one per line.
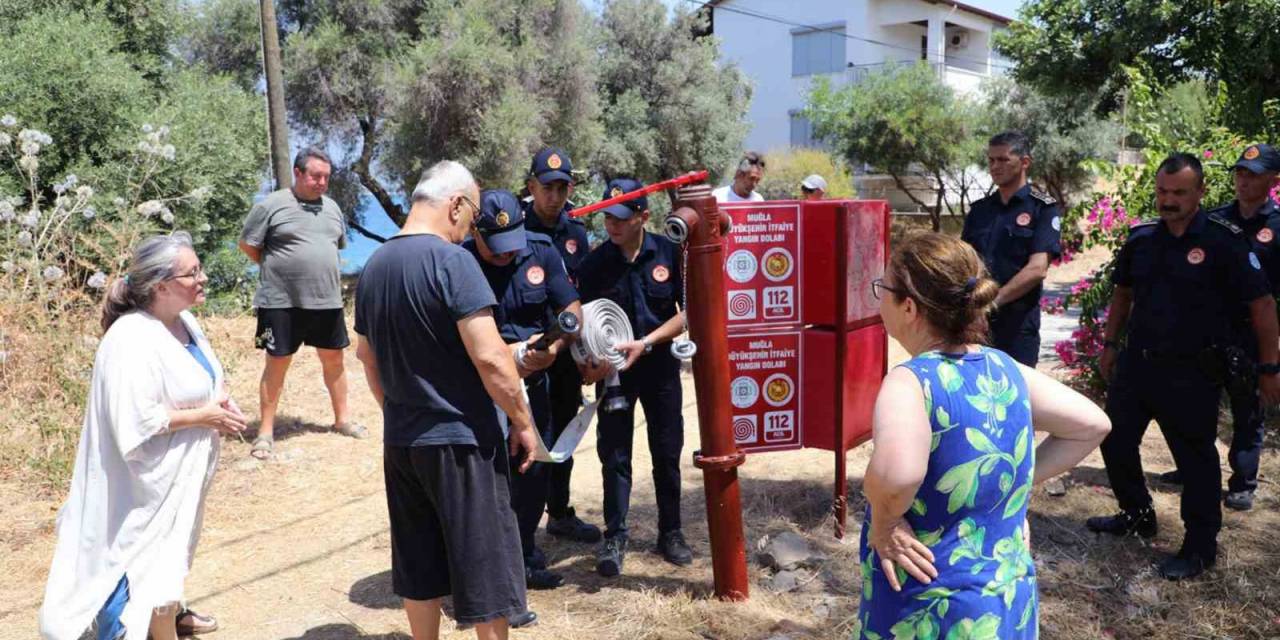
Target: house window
<point x="818" y="50"/>
<point x="802" y="133"/>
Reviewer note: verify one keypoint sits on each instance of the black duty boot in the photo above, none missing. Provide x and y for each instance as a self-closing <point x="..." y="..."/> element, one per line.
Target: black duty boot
<point x="1142" y="523"/>
<point x="1239" y="500"/>
<point x="1186" y="565"/>
<point x="610" y="556"/>
<point x="1171" y="477"/>
<point x="541" y="578"/>
<point x="573" y="528"/>
<point x="674" y="549"/>
<point x="525" y="618"/>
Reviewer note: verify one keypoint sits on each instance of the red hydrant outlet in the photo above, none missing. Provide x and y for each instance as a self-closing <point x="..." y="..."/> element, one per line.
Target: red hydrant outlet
<point x="679" y="223"/>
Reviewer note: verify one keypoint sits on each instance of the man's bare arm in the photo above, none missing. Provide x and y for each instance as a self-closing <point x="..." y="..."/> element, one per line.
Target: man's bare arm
<point x="492" y="359"/>
<point x="364" y="353"/>
<point x="254" y="253"/>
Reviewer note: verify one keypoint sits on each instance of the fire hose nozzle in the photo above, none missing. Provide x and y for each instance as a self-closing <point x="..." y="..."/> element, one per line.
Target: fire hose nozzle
<point x="566" y="324"/>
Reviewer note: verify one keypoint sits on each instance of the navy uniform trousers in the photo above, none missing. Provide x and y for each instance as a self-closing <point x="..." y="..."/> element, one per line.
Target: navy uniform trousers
<point x="1015" y="330"/>
<point x="654" y="381"/>
<point x="566" y="402"/>
<point x="1246" y="434"/>
<point x="1175" y="392"/>
<point x="529" y="489"/>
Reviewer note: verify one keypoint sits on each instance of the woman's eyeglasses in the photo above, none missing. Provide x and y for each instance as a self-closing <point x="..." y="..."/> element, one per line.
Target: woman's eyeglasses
<point x="878" y="285"/>
<point x="194" y="274"/>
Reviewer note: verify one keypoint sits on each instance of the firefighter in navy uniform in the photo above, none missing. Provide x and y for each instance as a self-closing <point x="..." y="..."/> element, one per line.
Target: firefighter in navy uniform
<point x="1016" y="230"/>
<point x="1255" y="213"/>
<point x="550" y="183"/>
<point x="529" y="281"/>
<point x="641" y="272"/>
<point x="1178" y="282"/>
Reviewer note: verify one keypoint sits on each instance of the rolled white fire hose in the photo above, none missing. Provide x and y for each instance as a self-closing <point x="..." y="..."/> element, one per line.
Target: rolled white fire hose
<point x="604" y="324"/>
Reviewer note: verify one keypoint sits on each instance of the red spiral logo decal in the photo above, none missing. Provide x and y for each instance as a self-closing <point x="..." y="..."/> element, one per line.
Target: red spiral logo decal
<point x="744" y="429"/>
<point x="741" y="305"/>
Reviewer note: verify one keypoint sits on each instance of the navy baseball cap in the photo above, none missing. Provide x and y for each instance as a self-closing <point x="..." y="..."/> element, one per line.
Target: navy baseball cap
<point x="624" y="210"/>
<point x="1259" y="158"/>
<point x="501" y="221"/>
<point x="551" y="164"/>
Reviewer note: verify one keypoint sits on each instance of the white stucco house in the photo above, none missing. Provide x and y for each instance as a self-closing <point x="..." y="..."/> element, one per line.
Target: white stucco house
<point x="782" y="45"/>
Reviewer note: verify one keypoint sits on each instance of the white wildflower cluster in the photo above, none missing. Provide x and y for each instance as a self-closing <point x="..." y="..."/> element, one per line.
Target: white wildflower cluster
<point x="6" y="266"/>
<point x="118" y="202"/>
<point x="7" y="212"/>
<point x="166" y="216"/>
<point x="30" y="219"/>
<point x="154" y="144"/>
<point x="205" y="228"/>
<point x="97" y="281"/>
<point x="30" y="142"/>
<point x="8" y="122"/>
<point x="51" y="273"/>
<point x="24" y="239"/>
<point x="67" y="183"/>
<point x="89" y="213"/>
<point x="200" y="193"/>
<point x="152" y="207"/>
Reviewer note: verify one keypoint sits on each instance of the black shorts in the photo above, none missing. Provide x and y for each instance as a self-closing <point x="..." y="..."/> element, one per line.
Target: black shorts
<point x="281" y="331"/>
<point x="453" y="530"/>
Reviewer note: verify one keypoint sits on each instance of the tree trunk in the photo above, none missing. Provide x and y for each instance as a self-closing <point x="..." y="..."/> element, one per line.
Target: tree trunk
<point x="361" y="169"/>
<point x="933" y="211"/>
<point x="276" y="117"/>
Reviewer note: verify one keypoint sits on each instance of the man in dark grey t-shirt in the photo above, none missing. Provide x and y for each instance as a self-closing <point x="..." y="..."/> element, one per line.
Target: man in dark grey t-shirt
<point x="294" y="235"/>
<point x="437" y="365"/>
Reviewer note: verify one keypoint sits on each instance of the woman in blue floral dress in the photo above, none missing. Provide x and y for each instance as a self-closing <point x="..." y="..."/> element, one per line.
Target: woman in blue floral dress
<point x="945" y="546"/>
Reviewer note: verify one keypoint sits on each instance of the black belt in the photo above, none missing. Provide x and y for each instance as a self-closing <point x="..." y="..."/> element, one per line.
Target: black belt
<point x="1170" y="357"/>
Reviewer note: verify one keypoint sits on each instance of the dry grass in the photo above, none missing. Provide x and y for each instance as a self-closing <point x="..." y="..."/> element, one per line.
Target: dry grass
<point x="298" y="548"/>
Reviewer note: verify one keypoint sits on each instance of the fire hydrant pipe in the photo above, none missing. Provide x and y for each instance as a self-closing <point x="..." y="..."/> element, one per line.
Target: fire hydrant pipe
<point x="719" y="456"/>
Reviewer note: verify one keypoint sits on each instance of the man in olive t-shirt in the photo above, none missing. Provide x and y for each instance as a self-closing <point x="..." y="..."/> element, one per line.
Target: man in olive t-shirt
<point x="294" y="235"/>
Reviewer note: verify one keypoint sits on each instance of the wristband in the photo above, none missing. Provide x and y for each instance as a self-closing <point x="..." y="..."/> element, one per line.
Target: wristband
<point x="1269" y="369"/>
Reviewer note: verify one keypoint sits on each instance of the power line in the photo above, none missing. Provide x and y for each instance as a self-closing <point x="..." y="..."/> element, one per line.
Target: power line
<point x="832" y="30"/>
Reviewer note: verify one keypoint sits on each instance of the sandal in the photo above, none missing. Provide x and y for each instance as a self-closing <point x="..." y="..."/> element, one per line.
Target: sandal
<point x="351" y="430"/>
<point x="262" y="448"/>
<point x="190" y="623"/>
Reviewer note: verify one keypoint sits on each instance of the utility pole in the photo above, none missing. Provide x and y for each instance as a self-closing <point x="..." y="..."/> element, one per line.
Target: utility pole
<point x="278" y="125"/>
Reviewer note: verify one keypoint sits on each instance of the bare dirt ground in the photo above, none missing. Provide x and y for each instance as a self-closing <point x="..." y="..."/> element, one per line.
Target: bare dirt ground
<point x="297" y="548"/>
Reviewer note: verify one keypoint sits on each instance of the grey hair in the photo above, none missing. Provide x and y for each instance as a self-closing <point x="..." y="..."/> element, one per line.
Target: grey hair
<point x="750" y="159"/>
<point x="443" y="179"/>
<point x="152" y="263"/>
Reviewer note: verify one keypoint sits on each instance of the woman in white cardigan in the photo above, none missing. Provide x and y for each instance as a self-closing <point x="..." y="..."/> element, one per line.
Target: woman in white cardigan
<point x="147" y="452"/>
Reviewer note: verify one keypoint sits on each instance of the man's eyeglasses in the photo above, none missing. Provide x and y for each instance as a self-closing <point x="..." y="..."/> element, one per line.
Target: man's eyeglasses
<point x="475" y="209"/>
<point x="195" y="274"/>
<point x="878" y="285"/>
